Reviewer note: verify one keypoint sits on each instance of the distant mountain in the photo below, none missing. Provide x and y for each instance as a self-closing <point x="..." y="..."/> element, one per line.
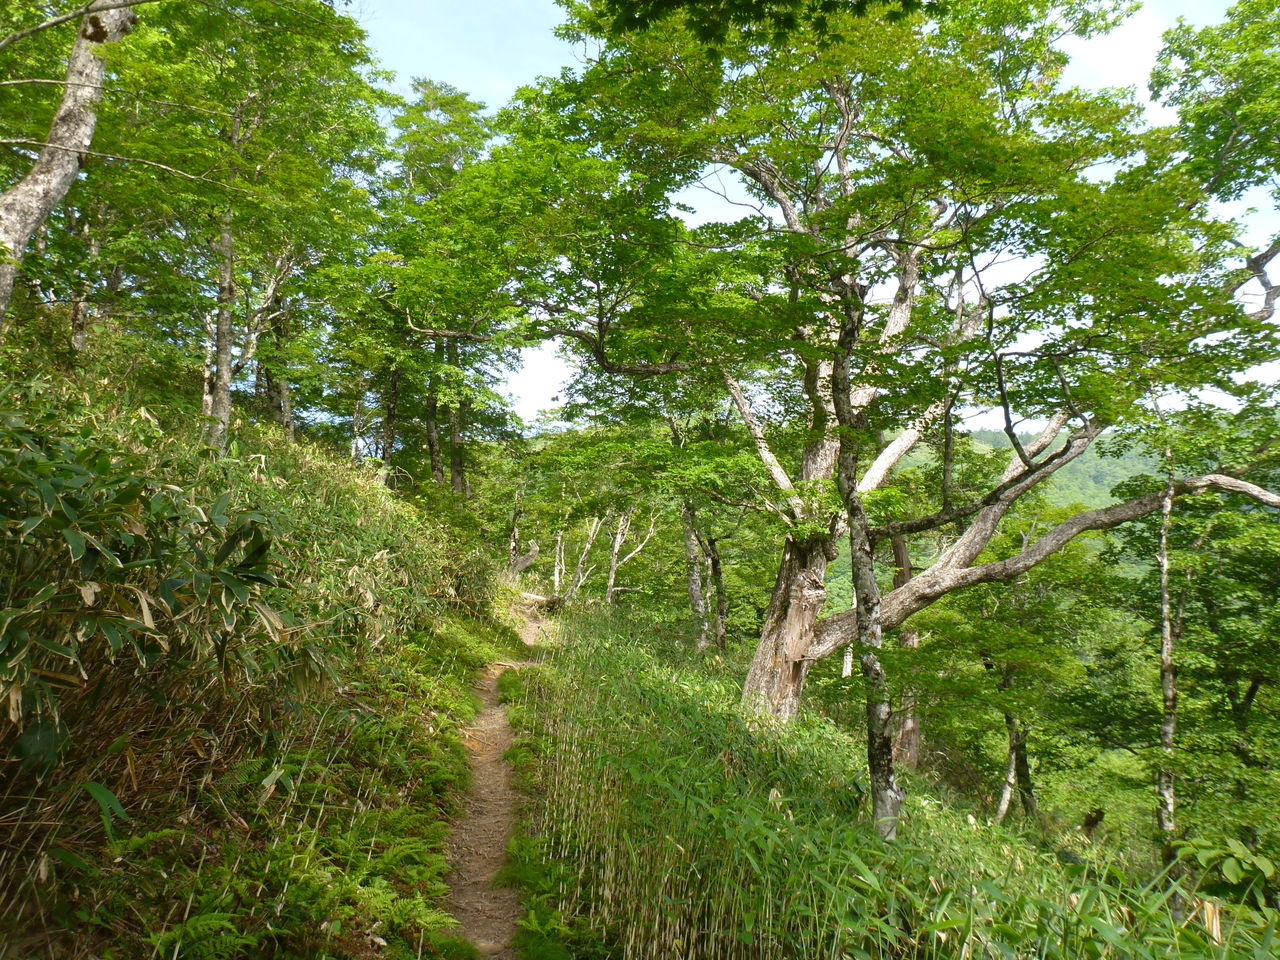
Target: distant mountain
<point x="1086" y="480"/>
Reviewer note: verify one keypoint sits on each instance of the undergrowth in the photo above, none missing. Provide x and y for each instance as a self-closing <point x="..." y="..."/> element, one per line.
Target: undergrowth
<point x="690" y="830"/>
<point x="329" y="846"/>
<point x="231" y="687"/>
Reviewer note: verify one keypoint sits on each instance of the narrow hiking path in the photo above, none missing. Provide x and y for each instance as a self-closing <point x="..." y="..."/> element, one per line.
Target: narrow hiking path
<point x="487" y="915"/>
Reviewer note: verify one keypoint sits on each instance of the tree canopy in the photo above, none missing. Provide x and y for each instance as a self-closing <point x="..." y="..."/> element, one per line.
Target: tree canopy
<point x="950" y="420"/>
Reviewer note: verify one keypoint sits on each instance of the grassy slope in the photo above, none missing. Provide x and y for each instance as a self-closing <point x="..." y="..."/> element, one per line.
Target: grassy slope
<point x="667" y="824"/>
<point x="274" y="783"/>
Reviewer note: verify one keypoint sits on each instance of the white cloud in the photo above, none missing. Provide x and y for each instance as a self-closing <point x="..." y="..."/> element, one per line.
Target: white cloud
<point x="539" y="379"/>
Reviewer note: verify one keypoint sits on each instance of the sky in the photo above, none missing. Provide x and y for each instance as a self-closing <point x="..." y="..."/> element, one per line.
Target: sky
<point x="490" y="48"/>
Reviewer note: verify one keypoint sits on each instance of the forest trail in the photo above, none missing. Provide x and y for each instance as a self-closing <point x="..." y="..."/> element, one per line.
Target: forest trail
<point x="487" y="914"/>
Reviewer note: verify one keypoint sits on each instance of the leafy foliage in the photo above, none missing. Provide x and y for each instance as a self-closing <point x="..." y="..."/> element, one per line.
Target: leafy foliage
<point x="174" y="714"/>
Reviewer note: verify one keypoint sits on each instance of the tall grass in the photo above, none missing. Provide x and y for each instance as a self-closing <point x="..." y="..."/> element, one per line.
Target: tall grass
<point x="171" y="618"/>
<point x="695" y="832"/>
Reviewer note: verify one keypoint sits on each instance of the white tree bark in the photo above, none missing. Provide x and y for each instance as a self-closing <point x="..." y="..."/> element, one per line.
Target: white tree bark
<point x="557" y="569"/>
<point x="1166" y="807"/>
<point x="1010" y="779"/>
<point x="217" y="387"/>
<point x="617" y="560"/>
<point x="27" y="204"/>
<point x="582" y="571"/>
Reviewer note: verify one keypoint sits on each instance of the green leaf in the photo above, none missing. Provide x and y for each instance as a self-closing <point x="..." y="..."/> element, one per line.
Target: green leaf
<point x="1231" y="869"/>
<point x="108" y="803"/>
<point x="75" y="541"/>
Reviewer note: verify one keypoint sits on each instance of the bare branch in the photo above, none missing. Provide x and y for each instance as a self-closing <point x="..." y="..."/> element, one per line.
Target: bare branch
<point x="43" y="145"/>
<point x="899" y="447"/>
<point x="767" y="457"/>
<point x="653" y="523"/>
<point x="939" y="580"/>
<point x="1236" y="485"/>
<point x="448" y="334"/>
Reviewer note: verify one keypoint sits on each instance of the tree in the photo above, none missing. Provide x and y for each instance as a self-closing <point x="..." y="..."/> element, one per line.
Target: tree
<point x="269" y="111"/>
<point x="26" y="205"/>
<point x="893" y="165"/>
<point x="713" y="19"/>
<point x="428" y="316"/>
<point x="1207" y="589"/>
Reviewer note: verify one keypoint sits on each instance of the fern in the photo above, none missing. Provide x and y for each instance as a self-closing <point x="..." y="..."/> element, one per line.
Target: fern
<point x="205" y="936"/>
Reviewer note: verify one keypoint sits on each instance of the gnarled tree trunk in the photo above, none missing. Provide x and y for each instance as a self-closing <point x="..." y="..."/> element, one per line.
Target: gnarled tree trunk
<point x="776" y="677"/>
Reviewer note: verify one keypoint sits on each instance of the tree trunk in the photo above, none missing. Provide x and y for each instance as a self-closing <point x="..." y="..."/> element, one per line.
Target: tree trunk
<point x="80" y="319"/>
<point x="520" y="564"/>
<point x="1010" y="774"/>
<point x="722" y="599"/>
<point x="557" y="569"/>
<point x="620" y="531"/>
<point x="457" y="416"/>
<point x="513" y="541"/>
<point x="279" y="395"/>
<point x="26" y="205"/>
<point x="1166" y="806"/>
<point x="433" y="436"/>
<point x="81" y="307"/>
<point x="218" y="384"/>
<point x="906" y="747"/>
<point x="457" y="472"/>
<point x="1022" y="767"/>
<point x="776" y="677"/>
<point x="390" y="404"/>
<point x="886" y="794"/>
<point x="582" y="571"/>
<point x="693" y="555"/>
<point x="357" y="427"/>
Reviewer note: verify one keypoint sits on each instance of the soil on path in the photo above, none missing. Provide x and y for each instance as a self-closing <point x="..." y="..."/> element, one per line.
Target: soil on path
<point x="487" y="914"/>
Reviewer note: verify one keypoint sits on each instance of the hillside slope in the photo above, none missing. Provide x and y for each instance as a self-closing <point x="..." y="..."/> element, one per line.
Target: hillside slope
<point x="234" y="688"/>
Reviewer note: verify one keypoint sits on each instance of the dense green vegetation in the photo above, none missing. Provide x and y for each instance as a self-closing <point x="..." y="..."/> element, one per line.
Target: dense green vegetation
<point x="672" y="825"/>
<point x="840" y="675"/>
<point x="235" y="685"/>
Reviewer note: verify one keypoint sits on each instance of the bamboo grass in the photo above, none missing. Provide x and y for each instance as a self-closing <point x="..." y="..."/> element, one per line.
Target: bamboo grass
<point x="693" y="831"/>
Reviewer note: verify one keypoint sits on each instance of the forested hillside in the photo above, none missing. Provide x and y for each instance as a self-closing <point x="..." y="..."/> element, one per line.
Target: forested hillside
<point x="900" y="566"/>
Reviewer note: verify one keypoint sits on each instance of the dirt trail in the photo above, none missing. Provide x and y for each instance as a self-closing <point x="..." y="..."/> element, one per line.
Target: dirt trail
<point x="477" y="848"/>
